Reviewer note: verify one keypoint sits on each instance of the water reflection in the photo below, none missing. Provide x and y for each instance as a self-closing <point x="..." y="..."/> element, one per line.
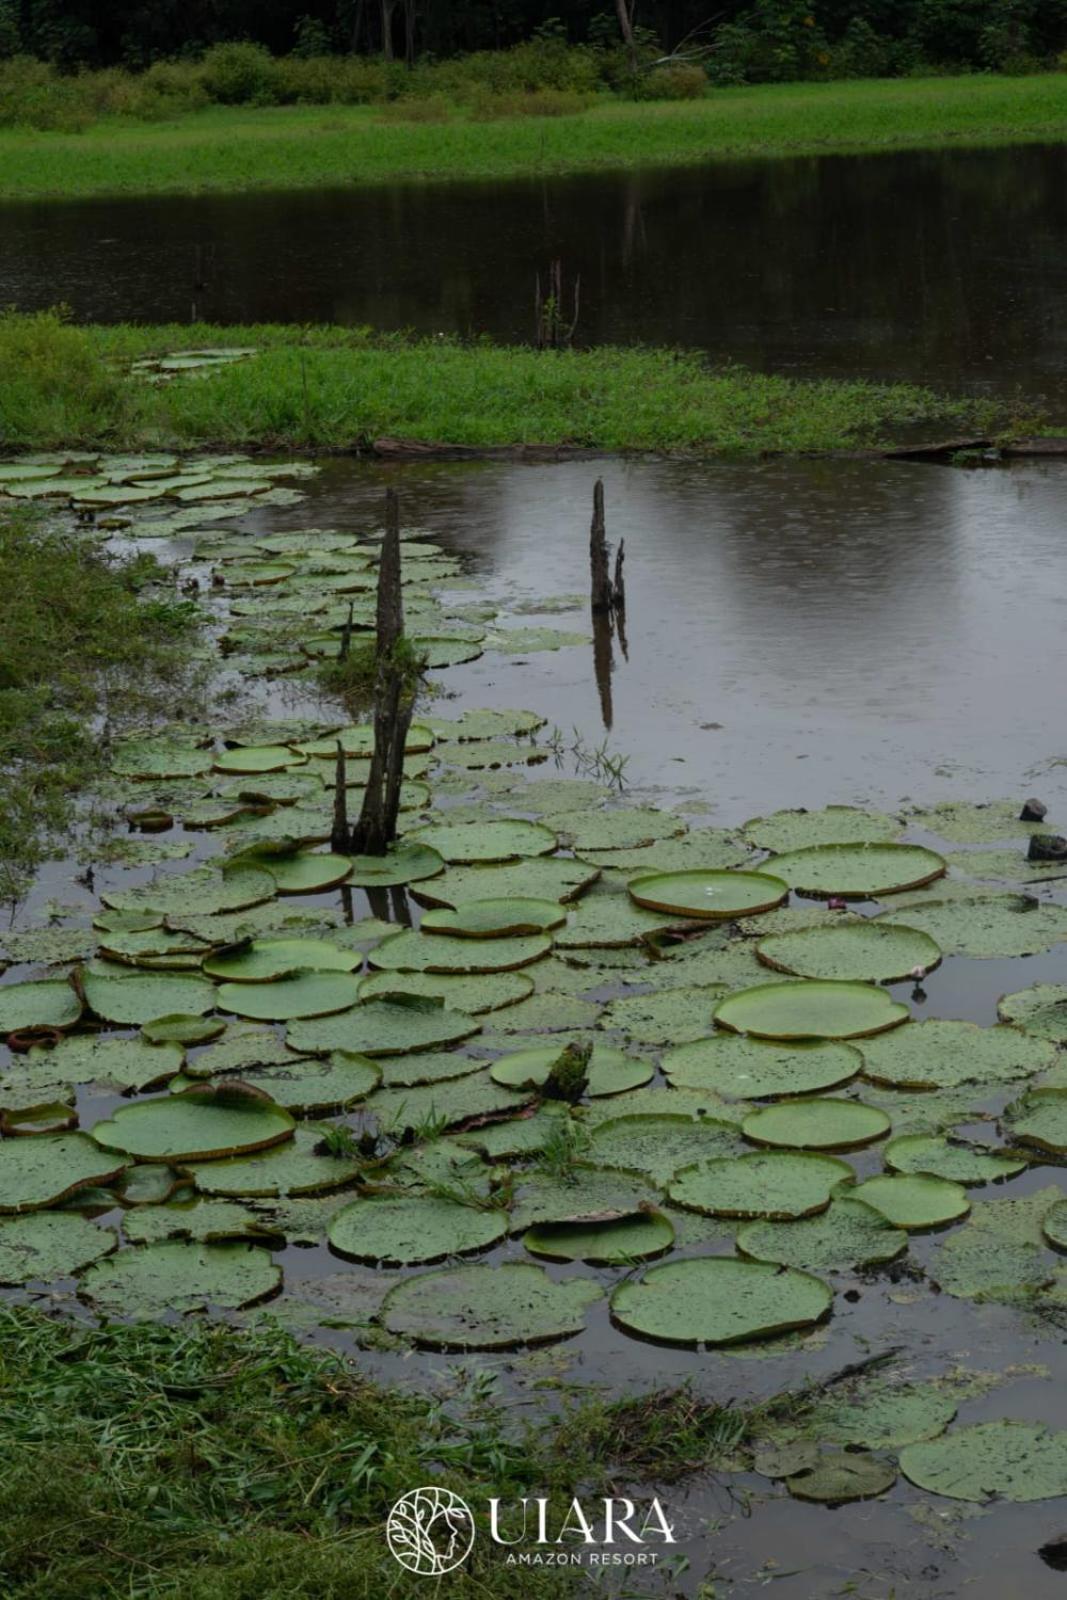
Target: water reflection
<point x="797" y="265"/>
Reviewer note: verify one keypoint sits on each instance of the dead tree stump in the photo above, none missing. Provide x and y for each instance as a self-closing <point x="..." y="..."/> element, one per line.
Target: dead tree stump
<point x="599" y="572"/>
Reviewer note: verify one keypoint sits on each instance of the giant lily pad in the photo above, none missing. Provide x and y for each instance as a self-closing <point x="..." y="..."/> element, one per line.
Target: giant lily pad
<point x="858" y="871"/>
<point x="1000" y="1250"/>
<point x="465" y="842"/>
<point x="940" y="1158"/>
<point x="402" y="1231"/>
<point x="810" y="1010"/>
<point x="752" y="1069"/>
<point x="262" y="960"/>
<point x="202" y="1123"/>
<point x="496" y="919"/>
<point x="775" y="1183"/>
<point x="258" y="758"/>
<point x="48" y="1003"/>
<point x="607" y="918"/>
<point x="201" y="1219"/>
<point x="415" y="951"/>
<point x="801" y="830"/>
<point x="312" y="1086"/>
<point x="1040" y="1011"/>
<point x="589" y="829"/>
<point x="476" y="992"/>
<point x="990" y="1461"/>
<point x="603" y="1244"/>
<point x="149" y="1280"/>
<point x="660" y="1145"/>
<point x="204" y="891"/>
<point x="302" y="994"/>
<point x="536" y="877"/>
<point x="847" y="1235"/>
<point x="864" y="951"/>
<point x="406" y="862"/>
<point x="675" y="1017"/>
<point x="722" y="896"/>
<point x="122" y="1064"/>
<point x="388" y="1027"/>
<point x="41" y="1171"/>
<point x="816" y="1124"/>
<point x="837" y="1477"/>
<point x="307" y="871"/>
<point x="915" y="1200"/>
<point x="1040" y="1119"/>
<point x="610" y="1071"/>
<point x="487" y="1308"/>
<point x="987" y="925"/>
<point x="131" y="999"/>
<point x="301" y="1165"/>
<point x="706" y="849"/>
<point x="718" y="1300"/>
<point x="49" y="1244"/>
<point x="940" y="1054"/>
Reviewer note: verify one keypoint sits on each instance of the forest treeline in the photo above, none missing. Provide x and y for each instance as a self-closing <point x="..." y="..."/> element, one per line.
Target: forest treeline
<point x="582" y="44"/>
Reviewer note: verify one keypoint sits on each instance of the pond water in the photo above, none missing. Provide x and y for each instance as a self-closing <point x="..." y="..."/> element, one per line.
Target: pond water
<point x="800" y="266"/>
<point x="796" y="634"/>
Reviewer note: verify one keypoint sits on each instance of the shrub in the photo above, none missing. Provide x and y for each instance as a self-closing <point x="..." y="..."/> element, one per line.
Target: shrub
<point x="431" y="108"/>
<point x="681" y="82"/>
<point x="240" y="74"/>
<point x="540" y="103"/>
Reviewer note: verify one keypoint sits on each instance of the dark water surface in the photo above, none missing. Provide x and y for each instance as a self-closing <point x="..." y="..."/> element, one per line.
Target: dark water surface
<point x="938" y="267"/>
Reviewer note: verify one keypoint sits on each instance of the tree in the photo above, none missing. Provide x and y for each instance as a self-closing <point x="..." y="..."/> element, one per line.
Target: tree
<point x="625" y="10"/>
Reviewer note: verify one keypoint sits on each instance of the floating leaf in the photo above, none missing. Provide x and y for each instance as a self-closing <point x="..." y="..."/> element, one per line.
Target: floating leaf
<point x="610" y="1071"/>
<point x="120" y="1063"/>
<point x="858" y="871"/>
<point x="1006" y="1460"/>
<point x="149" y="1280"/>
<point x="1055" y="1225"/>
<point x="389" y="1027"/>
<point x="589" y="829"/>
<point x="182" y="1028"/>
<point x="314" y="1087"/>
<point x="307" y="871"/>
<point x="750" y="1069"/>
<point x="607" y="919"/>
<point x="1040" y="1119"/>
<point x="963" y="1163"/>
<point x="940" y="1054"/>
<point x="706" y="849"/>
<point x="847" y="1235"/>
<point x="539" y="877"/>
<point x="817" y="1124"/>
<point x="204" y="891"/>
<point x="203" y="1220"/>
<point x="49" y="1244"/>
<point x="462" y="843"/>
<point x="39" y="1172"/>
<point x="864" y="950"/>
<point x="915" y="1200"/>
<point x="131" y="999"/>
<point x="776" y="1184"/>
<point x="266" y="959"/>
<point x="800" y="830"/>
<point x="405" y="1231"/>
<point x="445" y="1104"/>
<point x="505" y="918"/>
<point x="603" y="1244"/>
<point x="202" y="1123"/>
<point x="302" y="994"/>
<point x="999" y="1253"/>
<point x="1040" y="1011"/>
<point x="841" y="1476"/>
<point x="718" y="1300"/>
<point x="243" y="1048"/>
<point x="405" y="862"/>
<point x="989" y="925"/>
<point x="302" y="1165"/>
<point x="48" y="1003"/>
<point x="483" y="991"/>
<point x="255" y="759"/>
<point x="674" y="1017"/>
<point x="660" y="1145"/>
<point x="810" y="1010"/>
<point x="415" y="951"/>
<point x="548" y="1013"/>
<point x="487" y="1308"/>
<point x="723" y="896"/>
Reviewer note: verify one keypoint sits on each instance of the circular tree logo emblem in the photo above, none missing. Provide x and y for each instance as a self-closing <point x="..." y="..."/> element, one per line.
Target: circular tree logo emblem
<point x="430" y="1531"/>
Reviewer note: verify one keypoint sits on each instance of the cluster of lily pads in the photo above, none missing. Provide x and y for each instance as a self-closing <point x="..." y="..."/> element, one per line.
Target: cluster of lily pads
<point x="282" y="1044"/>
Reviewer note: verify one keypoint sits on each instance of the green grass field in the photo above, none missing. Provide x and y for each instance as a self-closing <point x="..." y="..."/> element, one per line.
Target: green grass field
<point x="340" y="389"/>
<point x="297" y="147"/>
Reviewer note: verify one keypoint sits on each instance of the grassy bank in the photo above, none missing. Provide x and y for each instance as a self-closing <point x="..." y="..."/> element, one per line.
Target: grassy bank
<point x="245" y="148"/>
<point x="337" y="389"/>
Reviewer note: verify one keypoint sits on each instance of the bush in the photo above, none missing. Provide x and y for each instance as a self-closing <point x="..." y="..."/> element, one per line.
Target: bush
<point x="540" y="103"/>
<point x="240" y="75"/>
<point x="431" y="108"/>
<point x="681" y="82"/>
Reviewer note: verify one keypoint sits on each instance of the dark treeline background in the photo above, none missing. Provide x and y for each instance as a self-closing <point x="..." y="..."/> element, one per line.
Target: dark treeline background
<point x="736" y="40"/>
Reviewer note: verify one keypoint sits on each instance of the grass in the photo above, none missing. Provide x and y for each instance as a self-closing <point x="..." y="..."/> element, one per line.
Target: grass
<point x="334" y="389"/>
<point x="245" y="148"/>
<point x="87" y="644"/>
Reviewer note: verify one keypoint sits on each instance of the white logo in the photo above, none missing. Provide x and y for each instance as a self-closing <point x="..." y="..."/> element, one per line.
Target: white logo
<point x="430" y="1531"/>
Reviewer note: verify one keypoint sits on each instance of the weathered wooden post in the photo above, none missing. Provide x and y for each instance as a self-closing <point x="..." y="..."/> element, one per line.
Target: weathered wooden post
<point x="598" y="553"/>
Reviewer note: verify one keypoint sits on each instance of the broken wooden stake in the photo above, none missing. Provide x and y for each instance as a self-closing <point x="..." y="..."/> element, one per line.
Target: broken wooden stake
<point x="598" y="553"/>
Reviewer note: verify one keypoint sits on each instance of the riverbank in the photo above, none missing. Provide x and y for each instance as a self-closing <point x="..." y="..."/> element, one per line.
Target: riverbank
<point x="344" y="390"/>
<point x="245" y="148"/>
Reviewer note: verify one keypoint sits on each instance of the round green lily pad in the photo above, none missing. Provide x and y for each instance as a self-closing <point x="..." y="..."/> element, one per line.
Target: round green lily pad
<point x="1040" y="1119"/>
<point x="963" y="1163"/>
<point x="915" y="1200"/>
<point x="858" y="871"/>
<point x="203" y="1123"/>
<point x="810" y="1010"/>
<point x="983" y="926"/>
<point x="590" y="829"/>
<point x="181" y="1027"/>
<point x="464" y="842"/>
<point x="860" y="951"/>
<point x="390" y="1027"/>
<point x="403" y="1231"/>
<point x="261" y="960"/>
<point x="676" y="1016"/>
<point x="719" y="896"/>
<point x="754" y="1069"/>
<point x="130" y="999"/>
<point x="603" y="1244"/>
<point x="534" y="877"/>
<point x="658" y="1145"/>
<point x="1040" y="1011"/>
<point x="88" y="1058"/>
<point x="487" y="1308"/>
<point x="406" y="862"/>
<point x="474" y="992"/>
<point x="415" y="951"/>
<point x="846" y="1235"/>
<point x="302" y="994"/>
<point x="800" y="830"/>
<point x="47" y="1003"/>
<point x="204" y="891"/>
<point x="817" y="1124"/>
<point x="496" y="919"/>
<point x="586" y="1195"/>
<point x="774" y="1183"/>
<point x="610" y="1071"/>
<point x="147" y="1281"/>
<point x="44" y="1170"/>
<point x="307" y="871"/>
<point x="262" y="758"/>
<point x="718" y="1300"/>
<point x="940" y="1054"/>
<point x="45" y="1245"/>
<point x="312" y="1086"/>
<point x="1005" y="1460"/>
<point x="1054" y="1225"/>
<point x="301" y="1165"/>
<point x="840" y="1476"/>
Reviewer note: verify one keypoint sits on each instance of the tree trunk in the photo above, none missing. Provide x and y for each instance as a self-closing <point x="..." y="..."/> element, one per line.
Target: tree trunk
<point x="355" y="37"/>
<point x="388" y="7"/>
<point x="393" y="702"/>
<point x="600" y="576"/>
<point x="409" y="31"/>
<point x="625" y="11"/>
